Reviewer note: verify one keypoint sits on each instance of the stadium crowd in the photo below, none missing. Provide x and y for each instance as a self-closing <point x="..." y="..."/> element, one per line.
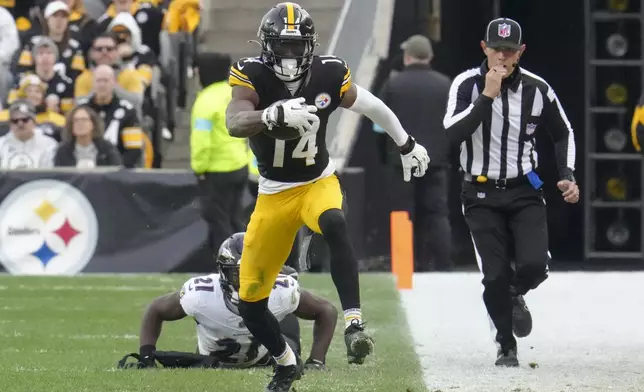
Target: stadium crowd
<point x="114" y="59"/>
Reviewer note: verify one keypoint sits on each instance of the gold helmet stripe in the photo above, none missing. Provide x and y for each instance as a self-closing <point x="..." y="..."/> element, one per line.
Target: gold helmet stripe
<point x="290" y="16"/>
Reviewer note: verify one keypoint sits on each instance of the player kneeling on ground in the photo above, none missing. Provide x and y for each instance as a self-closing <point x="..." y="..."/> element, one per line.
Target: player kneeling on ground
<point x="223" y="341"/>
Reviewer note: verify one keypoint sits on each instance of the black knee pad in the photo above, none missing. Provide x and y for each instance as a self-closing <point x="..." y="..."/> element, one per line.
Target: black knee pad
<point x="332" y="222"/>
<point x="251" y="310"/>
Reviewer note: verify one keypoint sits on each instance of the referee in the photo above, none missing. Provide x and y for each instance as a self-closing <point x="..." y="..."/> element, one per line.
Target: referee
<point x="494" y="112"/>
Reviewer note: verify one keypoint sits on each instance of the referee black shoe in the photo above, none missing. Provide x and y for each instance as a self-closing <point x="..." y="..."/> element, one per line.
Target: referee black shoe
<point x="521" y="317"/>
<point x="507" y="358"/>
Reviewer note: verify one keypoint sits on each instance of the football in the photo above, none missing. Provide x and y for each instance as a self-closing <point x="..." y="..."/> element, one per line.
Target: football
<point x="283" y="133"/>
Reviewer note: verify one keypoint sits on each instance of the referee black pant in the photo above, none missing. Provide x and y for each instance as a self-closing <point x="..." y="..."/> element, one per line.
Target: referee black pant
<point x="509" y="230"/>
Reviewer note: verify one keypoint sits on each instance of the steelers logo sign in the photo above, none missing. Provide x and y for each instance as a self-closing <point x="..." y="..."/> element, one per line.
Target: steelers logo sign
<point x="47" y="227"/>
<point x="322" y="100"/>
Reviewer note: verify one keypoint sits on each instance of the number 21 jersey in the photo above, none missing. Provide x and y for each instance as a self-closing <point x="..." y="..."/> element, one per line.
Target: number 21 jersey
<point x="222" y="332"/>
<point x="306" y="158"/>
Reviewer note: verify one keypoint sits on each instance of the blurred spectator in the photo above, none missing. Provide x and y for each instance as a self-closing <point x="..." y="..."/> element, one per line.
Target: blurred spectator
<point x="25" y="147"/>
<point x="148" y="17"/>
<point x="180" y="26"/>
<point x="418" y="95"/>
<point x="83" y="143"/>
<point x="49" y="121"/>
<point x="219" y="160"/>
<point x="182" y="16"/>
<point x="134" y="54"/>
<point x="94" y="9"/>
<point x="83" y="27"/>
<point x="60" y="89"/>
<point x="122" y="123"/>
<point x="71" y="59"/>
<point x="104" y="52"/>
<point x="21" y="10"/>
<point x="9" y="44"/>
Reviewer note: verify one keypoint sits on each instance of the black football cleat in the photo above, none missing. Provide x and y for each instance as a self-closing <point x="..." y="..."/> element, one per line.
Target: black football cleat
<point x="507" y="358"/>
<point x="359" y="343"/>
<point x="521" y="317"/>
<point x="285" y="376"/>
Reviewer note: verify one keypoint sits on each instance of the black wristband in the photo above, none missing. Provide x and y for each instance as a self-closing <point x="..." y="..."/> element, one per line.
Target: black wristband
<point x="408" y="146"/>
<point x="147" y="350"/>
<point x="569" y="177"/>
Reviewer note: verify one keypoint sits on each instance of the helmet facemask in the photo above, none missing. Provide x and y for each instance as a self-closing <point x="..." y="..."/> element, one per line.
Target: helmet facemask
<point x="289" y="58"/>
<point x="228" y="266"/>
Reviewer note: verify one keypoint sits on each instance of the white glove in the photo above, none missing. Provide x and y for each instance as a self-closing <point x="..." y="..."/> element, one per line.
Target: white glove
<point x="293" y="113"/>
<point x="416" y="158"/>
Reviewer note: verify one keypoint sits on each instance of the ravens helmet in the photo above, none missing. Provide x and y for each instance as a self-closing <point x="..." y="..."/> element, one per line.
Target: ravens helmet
<point x="228" y="259"/>
<point x="287" y="36"/>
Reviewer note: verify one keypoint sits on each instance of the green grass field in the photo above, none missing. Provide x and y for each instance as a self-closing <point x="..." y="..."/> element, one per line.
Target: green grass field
<point x="67" y="334"/>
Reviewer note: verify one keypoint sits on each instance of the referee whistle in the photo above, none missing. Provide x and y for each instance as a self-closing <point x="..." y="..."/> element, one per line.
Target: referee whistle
<point x="481" y="179"/>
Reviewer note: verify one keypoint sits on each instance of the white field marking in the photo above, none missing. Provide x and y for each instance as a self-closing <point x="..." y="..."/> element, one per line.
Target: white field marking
<point x="13" y="334"/>
<point x="97" y="288"/>
<point x="100" y="336"/>
<point x="12" y="308"/>
<point x="29" y="369"/>
<point x="151" y="276"/>
<point x="12" y="321"/>
<point x="3" y="287"/>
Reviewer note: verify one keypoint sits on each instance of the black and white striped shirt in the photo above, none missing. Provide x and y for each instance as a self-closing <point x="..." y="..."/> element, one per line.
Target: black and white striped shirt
<point x="497" y="136"/>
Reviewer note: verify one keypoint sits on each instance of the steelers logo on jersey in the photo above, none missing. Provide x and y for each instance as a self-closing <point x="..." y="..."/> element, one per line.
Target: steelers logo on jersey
<point x="322" y="100"/>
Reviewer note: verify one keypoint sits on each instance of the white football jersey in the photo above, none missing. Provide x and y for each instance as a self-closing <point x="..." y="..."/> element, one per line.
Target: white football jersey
<point x="221" y="330"/>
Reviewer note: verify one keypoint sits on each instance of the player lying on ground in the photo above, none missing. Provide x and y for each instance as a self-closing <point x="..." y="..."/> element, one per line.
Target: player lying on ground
<point x="282" y="101"/>
<point x="212" y="301"/>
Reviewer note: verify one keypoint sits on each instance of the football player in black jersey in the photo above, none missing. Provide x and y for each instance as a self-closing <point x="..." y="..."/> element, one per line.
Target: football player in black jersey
<point x="282" y="101"/>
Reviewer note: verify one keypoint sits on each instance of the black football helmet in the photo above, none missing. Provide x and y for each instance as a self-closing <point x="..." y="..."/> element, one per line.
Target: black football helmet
<point x="287" y="36"/>
<point x="228" y="259"/>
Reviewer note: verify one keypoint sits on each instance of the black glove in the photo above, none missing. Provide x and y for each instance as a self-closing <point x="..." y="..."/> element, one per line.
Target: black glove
<point x="122" y="364"/>
<point x="146" y="355"/>
<point x="314" y="364"/>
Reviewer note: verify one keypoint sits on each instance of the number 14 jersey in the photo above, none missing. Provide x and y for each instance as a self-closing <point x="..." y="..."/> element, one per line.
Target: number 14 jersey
<point x="304" y="159"/>
<point x="220" y="330"/>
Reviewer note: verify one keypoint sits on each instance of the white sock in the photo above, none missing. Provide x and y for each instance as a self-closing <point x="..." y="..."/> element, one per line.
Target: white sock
<point x="287" y="358"/>
<point x="350" y="315"/>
